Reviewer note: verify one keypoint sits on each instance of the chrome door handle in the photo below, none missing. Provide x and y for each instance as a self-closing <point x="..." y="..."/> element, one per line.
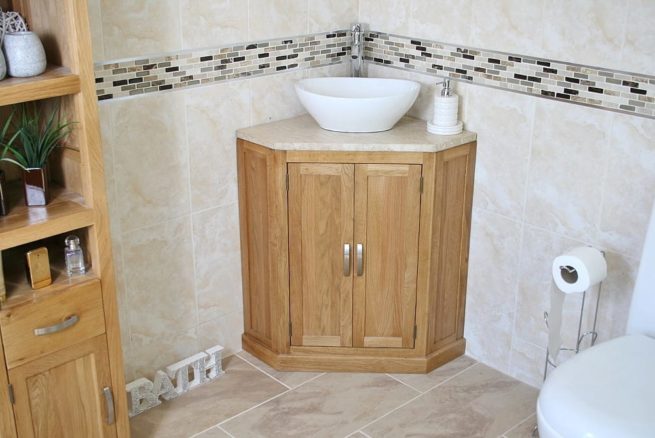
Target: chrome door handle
<point x="70" y="321"/>
<point x="109" y="403"/>
<point x="346" y="259"/>
<point x="360" y="259"/>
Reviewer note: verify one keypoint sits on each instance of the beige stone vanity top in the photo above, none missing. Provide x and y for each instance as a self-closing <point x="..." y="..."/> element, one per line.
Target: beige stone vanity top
<point x="303" y="133"/>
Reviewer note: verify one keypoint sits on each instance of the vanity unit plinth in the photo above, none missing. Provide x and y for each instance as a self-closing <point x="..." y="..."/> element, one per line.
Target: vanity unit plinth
<point x="354" y="246"/>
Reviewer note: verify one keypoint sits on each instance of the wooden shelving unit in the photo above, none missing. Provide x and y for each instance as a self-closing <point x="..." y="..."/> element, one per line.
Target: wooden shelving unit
<point x="84" y="354"/>
<point x="55" y="82"/>
<point x="65" y="212"/>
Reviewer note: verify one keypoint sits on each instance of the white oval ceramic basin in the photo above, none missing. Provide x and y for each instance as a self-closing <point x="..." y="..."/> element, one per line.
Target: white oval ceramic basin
<point x="357" y="104"/>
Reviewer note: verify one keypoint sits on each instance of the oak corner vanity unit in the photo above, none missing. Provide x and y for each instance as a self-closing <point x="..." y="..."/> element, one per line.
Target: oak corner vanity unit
<point x="354" y="246"/>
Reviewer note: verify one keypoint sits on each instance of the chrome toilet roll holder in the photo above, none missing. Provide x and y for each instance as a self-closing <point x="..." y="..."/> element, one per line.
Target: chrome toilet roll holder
<point x="593" y="333"/>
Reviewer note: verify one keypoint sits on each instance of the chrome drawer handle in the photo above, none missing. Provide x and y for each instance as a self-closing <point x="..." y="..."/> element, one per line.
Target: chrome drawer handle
<point x="360" y="259"/>
<point x="70" y="321"/>
<point x="109" y="402"/>
<point x="346" y="259"/>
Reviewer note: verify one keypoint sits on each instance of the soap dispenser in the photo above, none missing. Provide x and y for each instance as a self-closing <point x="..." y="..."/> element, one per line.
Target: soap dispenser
<point x="446" y="106"/>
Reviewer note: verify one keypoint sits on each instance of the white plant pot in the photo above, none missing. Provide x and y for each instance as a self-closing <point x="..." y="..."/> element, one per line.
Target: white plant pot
<point x="3" y="66"/>
<point x="24" y="54"/>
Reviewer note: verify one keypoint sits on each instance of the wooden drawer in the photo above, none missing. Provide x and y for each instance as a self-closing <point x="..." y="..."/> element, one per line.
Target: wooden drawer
<point x="39" y="328"/>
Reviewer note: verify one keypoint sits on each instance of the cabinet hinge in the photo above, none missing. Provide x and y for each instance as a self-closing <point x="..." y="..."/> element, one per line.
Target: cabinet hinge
<point x="421" y="185"/>
<point x="10" y="391"/>
<point x="287" y="182"/>
<point x="415" y="331"/>
<point x="290" y="328"/>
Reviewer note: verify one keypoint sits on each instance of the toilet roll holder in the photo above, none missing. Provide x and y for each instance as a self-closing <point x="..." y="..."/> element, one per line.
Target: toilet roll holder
<point x="592" y="334"/>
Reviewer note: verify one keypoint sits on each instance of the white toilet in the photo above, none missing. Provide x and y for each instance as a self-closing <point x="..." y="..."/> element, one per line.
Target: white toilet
<point x="609" y="390"/>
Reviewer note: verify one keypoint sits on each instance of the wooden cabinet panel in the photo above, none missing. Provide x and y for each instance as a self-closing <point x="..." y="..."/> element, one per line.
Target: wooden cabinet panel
<point x="320" y="224"/>
<point x="451" y="231"/>
<point x="61" y="395"/>
<point x="82" y="301"/>
<point x="253" y="205"/>
<point x="387" y="210"/>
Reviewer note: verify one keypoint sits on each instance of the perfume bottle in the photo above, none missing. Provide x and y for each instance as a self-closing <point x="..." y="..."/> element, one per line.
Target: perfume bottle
<point x="74" y="256"/>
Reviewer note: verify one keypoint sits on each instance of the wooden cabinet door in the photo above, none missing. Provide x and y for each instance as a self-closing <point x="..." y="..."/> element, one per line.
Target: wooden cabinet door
<point x="320" y="224"/>
<point x="61" y="395"/>
<point x="387" y="209"/>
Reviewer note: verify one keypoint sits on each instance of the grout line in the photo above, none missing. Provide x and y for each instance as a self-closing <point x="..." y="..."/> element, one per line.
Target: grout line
<point x="225" y="431"/>
<point x="452" y="377"/>
<point x="266" y="401"/>
<point x="504" y="434"/>
<point x="261" y="370"/>
<point x="364" y="433"/>
<point x="404" y="383"/>
<point x="416" y="397"/>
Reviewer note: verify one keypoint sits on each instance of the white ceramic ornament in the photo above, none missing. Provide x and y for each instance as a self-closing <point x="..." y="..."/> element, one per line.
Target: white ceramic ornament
<point x="141" y="396"/>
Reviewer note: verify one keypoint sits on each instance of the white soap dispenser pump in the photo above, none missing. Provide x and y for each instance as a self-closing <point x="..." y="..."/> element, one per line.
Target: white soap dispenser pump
<point x="446" y="106"/>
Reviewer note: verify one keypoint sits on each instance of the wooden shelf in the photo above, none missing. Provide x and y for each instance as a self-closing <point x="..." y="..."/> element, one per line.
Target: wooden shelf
<point x="65" y="212"/>
<point x="56" y="81"/>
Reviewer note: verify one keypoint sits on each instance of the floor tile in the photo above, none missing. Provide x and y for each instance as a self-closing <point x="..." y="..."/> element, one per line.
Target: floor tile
<point x="291" y="379"/>
<point x="332" y="405"/>
<point x="214" y="432"/>
<point x="479" y="402"/>
<point x="523" y="429"/>
<point x="424" y="382"/>
<point x="241" y="388"/>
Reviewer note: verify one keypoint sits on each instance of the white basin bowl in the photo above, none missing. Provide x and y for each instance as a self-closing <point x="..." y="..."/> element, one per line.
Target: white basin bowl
<point x="357" y="104"/>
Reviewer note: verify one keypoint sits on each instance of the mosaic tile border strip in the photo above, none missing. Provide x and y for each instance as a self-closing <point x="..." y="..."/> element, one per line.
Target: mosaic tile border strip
<point x="591" y="86"/>
<point x="201" y="67"/>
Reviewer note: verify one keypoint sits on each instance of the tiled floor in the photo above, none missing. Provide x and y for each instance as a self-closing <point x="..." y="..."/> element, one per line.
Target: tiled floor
<point x="460" y="399"/>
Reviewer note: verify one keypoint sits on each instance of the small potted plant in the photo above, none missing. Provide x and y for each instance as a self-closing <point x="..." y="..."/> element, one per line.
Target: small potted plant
<point x="30" y="146"/>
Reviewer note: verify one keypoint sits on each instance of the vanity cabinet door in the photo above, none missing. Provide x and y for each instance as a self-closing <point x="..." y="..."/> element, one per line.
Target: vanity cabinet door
<point x="387" y="209"/>
<point x="66" y="393"/>
<point x="320" y="241"/>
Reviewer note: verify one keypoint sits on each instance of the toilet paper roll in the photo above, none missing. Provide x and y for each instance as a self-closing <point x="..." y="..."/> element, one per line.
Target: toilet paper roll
<point x="574" y="271"/>
<point x="578" y="269"/>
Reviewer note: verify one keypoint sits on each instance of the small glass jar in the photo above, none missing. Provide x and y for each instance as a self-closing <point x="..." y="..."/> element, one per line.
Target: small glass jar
<point x="74" y="256"/>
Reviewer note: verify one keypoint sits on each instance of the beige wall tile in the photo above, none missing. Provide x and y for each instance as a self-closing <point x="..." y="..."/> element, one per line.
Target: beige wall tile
<point x="504" y="148"/>
<point x="615" y="296"/>
<point x="95" y="23"/>
<point x="585" y="31"/>
<point x="441" y="20"/>
<point x="217" y="260"/>
<point x="569" y="153"/>
<point x="631" y="169"/>
<point x="491" y="288"/>
<point x="527" y="361"/>
<point x="149" y="353"/>
<point x="277" y="18"/>
<point x="151" y="160"/>
<point x="213" y="23"/>
<point x="274" y="97"/>
<point x="326" y="15"/>
<point x="225" y="331"/>
<point x="140" y="27"/>
<point x="390" y="16"/>
<point x="159" y="276"/>
<point x="213" y="116"/>
<point x="639" y="46"/>
<point x="514" y="26"/>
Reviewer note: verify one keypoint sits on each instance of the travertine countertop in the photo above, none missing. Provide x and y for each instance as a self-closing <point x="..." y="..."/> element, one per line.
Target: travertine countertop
<point x="303" y="133"/>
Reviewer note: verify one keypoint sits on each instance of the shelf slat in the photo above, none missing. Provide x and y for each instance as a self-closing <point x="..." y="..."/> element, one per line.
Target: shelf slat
<point x="65" y="212"/>
<point x="55" y="81"/>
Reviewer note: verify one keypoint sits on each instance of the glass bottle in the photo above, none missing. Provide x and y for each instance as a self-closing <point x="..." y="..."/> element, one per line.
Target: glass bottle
<point x="74" y="256"/>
